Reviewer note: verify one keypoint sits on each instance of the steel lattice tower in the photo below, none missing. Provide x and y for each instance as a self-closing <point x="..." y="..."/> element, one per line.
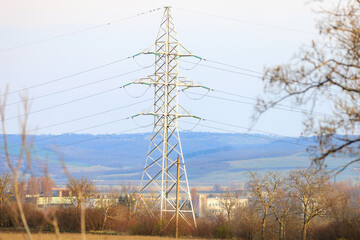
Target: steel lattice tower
<point x="160" y="171"/>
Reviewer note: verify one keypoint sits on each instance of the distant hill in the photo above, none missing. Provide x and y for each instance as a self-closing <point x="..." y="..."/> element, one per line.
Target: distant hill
<point x="211" y="158"/>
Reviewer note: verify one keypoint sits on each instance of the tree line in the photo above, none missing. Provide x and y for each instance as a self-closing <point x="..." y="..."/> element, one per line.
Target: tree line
<point x="301" y="204"/>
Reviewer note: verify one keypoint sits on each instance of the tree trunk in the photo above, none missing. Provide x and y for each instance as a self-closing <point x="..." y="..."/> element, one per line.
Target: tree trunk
<point x="20" y="207"/>
<point x="105" y="218"/>
<point x="281" y="231"/>
<point x="263" y="225"/>
<point x="229" y="217"/>
<point x="82" y="222"/>
<point x="304" y="230"/>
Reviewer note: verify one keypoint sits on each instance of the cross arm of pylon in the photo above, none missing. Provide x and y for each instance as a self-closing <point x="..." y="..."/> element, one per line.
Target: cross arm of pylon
<point x="171" y="54"/>
<point x="146" y="113"/>
<point x="161" y="114"/>
<point x="186" y="53"/>
<point x="185" y="82"/>
<point x="182" y="82"/>
<point x="150" y="80"/>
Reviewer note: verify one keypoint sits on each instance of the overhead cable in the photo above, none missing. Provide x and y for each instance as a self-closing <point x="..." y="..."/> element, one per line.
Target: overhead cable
<point x="78" y="130"/>
<point x="223" y="69"/>
<point x="67" y="76"/>
<point x="249" y="22"/>
<point x="87" y="140"/>
<point x="88" y="116"/>
<point x="245" y="74"/>
<point x="255" y="130"/>
<point x="285" y="108"/>
<point x="248" y="134"/>
<point x="277" y="105"/>
<point x="77" y="87"/>
<point x="62" y="104"/>
<point x="78" y="31"/>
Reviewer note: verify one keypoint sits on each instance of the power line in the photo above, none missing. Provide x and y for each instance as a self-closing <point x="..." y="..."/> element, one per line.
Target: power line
<point x="77" y="32"/>
<point x="249" y="22"/>
<point x="77" y="119"/>
<point x="233" y="66"/>
<point x="88" y="116"/>
<point x="244" y="69"/>
<point x="88" y="139"/>
<point x="67" y="76"/>
<point x="251" y="135"/>
<point x="79" y="130"/>
<point x="100" y="137"/>
<point x="254" y="104"/>
<point x="62" y="104"/>
<point x="199" y="124"/>
<point x="281" y="105"/>
<point x="223" y="69"/>
<point x="77" y="87"/>
<point x="250" y="129"/>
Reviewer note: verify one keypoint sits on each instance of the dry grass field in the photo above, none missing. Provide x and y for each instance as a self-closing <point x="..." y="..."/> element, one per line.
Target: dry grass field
<point x="76" y="236"/>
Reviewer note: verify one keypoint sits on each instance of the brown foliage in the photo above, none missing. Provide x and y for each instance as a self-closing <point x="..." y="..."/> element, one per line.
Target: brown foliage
<point x="82" y="189"/>
<point x="205" y="228"/>
<point x="146" y="225"/>
<point x="340" y="220"/>
<point x="246" y="222"/>
<point x="33" y="186"/>
<point x="228" y="201"/>
<point x="6" y="188"/>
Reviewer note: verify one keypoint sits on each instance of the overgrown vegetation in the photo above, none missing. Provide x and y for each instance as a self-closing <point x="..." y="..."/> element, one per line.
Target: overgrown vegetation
<point x="303" y="204"/>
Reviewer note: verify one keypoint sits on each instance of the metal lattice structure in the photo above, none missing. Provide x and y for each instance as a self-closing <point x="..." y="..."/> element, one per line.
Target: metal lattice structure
<point x="160" y="171"/>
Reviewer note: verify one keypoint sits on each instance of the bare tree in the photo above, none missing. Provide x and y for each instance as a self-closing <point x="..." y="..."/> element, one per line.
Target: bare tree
<point x="128" y="197"/>
<point x="33" y="186"/>
<point x="328" y="71"/>
<point x="246" y="221"/>
<point x="346" y="209"/>
<point x="46" y="188"/>
<point x="283" y="207"/>
<point x="263" y="189"/>
<point x="311" y="189"/>
<point x="82" y="190"/>
<point x="6" y="187"/>
<point x="108" y="201"/>
<point x="122" y="202"/>
<point x="228" y="201"/>
<point x="24" y="152"/>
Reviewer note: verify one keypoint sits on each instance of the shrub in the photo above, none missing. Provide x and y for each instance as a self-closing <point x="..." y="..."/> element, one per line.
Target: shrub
<point x="5" y="217"/>
<point x="35" y="218"/>
<point x="224" y="231"/>
<point x="205" y="228"/>
<point x="94" y="219"/>
<point x="68" y="219"/>
<point x="146" y="225"/>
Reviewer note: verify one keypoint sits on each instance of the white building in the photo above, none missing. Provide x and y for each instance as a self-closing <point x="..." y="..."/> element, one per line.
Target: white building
<point x="214" y="206"/>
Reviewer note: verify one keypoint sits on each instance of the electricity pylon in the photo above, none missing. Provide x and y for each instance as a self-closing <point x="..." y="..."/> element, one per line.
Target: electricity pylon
<point x="160" y="172"/>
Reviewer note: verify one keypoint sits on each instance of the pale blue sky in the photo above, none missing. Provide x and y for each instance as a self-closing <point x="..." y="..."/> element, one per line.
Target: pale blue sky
<point x="247" y="45"/>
